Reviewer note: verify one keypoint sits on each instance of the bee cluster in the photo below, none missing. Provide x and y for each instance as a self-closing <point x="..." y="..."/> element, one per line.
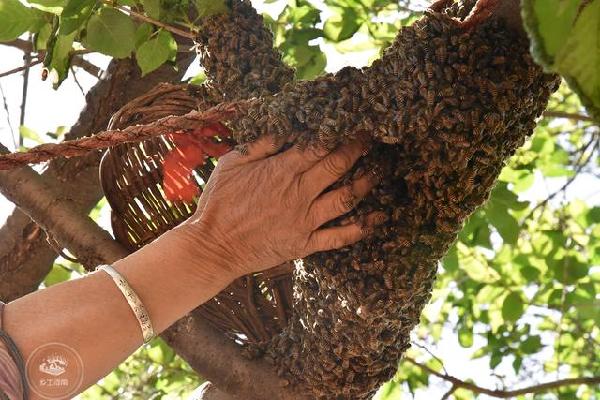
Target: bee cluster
<point x="447" y="106"/>
<point x="238" y="55"/>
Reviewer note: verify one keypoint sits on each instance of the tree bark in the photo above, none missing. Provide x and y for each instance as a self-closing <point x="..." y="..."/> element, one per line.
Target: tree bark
<point x="245" y="379"/>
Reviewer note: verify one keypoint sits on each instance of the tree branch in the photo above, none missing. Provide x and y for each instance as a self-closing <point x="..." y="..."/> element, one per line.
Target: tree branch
<point x="25" y="89"/>
<point x="39" y="199"/>
<point x="562" y="114"/>
<point x="210" y="353"/>
<point x="144" y="18"/>
<point x="87" y="66"/>
<point x="21" y="68"/>
<point x="580" y="165"/>
<point x="505" y="394"/>
<point x="77" y="59"/>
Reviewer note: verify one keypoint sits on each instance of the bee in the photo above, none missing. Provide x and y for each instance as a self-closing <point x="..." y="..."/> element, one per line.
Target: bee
<point x="422" y="78"/>
<point x="430" y="97"/>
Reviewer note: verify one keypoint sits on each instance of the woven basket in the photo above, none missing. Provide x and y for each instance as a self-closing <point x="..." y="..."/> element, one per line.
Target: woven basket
<point x="253" y="308"/>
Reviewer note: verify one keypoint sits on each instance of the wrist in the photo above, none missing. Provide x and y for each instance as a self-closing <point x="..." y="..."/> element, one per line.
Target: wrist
<point x="200" y="254"/>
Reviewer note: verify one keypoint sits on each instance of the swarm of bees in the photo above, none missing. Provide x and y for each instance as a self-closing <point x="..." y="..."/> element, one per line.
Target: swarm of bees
<point x="446" y="107"/>
<point x="238" y="56"/>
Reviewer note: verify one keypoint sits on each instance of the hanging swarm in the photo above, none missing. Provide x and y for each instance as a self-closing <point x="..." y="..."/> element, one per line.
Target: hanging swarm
<point x="238" y="55"/>
<point x="447" y="106"/>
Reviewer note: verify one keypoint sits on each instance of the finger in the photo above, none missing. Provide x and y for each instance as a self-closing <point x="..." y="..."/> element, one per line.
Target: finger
<point x="335" y="165"/>
<point x="340" y="236"/>
<point x="338" y="202"/>
<point x="262" y="147"/>
<point x="305" y="157"/>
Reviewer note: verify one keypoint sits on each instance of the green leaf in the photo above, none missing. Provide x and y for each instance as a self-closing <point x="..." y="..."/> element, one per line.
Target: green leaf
<point x="566" y="40"/>
<point x="111" y="32"/>
<point x="58" y="274"/>
<point x="531" y="345"/>
<point x="503" y="221"/>
<point x="30" y="134"/>
<point x="569" y="270"/>
<point x="143" y="33"/>
<point x="465" y="336"/>
<point x="51" y="6"/>
<point x="59" y="56"/>
<point x="341" y="26"/>
<point x="478" y="270"/>
<point x="495" y="359"/>
<point x="206" y="8"/>
<point x="303" y="15"/>
<point x="593" y="215"/>
<point x="517" y="362"/>
<point x="314" y="67"/>
<point x="15" y="19"/>
<point x="198" y="79"/>
<point x="549" y="22"/>
<point x="152" y="8"/>
<point x="451" y="260"/>
<point x="75" y="14"/>
<point x="41" y="38"/>
<point x="155" y="52"/>
<point x="512" y="307"/>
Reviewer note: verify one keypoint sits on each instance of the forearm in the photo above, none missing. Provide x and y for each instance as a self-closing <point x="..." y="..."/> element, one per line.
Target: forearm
<point x="91" y="316"/>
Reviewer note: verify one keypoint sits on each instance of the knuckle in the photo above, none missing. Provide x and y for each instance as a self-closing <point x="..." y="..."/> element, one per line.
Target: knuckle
<point x="336" y="165"/>
<point x="337" y="241"/>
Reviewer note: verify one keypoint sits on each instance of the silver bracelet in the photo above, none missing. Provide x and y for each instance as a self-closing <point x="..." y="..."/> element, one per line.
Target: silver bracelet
<point x="133" y="300"/>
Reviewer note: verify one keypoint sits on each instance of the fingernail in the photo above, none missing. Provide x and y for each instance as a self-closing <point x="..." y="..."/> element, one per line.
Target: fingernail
<point x="359" y="173"/>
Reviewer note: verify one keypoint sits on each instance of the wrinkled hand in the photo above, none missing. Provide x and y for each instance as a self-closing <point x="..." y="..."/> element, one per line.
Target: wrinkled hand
<point x="265" y="207"/>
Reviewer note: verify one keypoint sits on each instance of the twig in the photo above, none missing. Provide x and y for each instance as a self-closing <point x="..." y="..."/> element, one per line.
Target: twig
<point x="25" y="86"/>
<point x="144" y="18"/>
<point x="431" y="354"/>
<point x="136" y="133"/>
<point x="20" y="44"/>
<point x="76" y="60"/>
<point x="87" y="66"/>
<point x="449" y="393"/>
<point x="19" y="69"/>
<point x="12" y="132"/>
<point x="568" y="183"/>
<point x="562" y="114"/>
<point x="77" y="81"/>
<point x="505" y="394"/>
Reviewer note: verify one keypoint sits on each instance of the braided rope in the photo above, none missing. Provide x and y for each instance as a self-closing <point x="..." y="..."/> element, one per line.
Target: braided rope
<point x="136" y="133"/>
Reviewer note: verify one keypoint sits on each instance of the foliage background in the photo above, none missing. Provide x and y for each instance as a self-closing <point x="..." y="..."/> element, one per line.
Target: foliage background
<point x="517" y="300"/>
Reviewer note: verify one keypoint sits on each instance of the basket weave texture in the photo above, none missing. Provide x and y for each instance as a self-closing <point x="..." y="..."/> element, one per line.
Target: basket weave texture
<point x="253" y="308"/>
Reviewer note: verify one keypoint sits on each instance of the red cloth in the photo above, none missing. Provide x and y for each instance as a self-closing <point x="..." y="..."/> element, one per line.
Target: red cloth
<point x="10" y="379"/>
<point x="190" y="152"/>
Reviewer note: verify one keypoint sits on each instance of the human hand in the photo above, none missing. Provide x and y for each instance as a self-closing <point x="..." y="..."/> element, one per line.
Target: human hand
<point x="262" y="208"/>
